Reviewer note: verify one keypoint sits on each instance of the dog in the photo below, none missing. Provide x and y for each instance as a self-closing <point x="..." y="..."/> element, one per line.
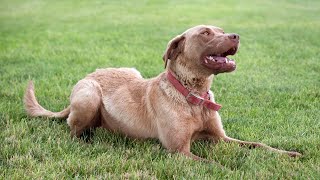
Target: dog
<point x="176" y="107"/>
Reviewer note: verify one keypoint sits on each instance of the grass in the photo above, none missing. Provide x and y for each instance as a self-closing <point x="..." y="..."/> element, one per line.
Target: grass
<point x="273" y="97"/>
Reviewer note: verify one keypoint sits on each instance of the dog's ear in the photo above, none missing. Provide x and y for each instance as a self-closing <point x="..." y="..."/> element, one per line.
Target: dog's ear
<point x="174" y="48"/>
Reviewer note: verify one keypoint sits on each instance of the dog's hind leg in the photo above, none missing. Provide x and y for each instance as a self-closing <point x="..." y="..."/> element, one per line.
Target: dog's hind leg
<point x="85" y="104"/>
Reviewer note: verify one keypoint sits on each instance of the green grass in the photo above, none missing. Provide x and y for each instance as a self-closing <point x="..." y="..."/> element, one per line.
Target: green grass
<point x="273" y="97"/>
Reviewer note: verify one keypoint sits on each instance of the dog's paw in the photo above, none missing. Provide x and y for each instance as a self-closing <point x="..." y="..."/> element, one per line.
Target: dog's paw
<point x="294" y="154"/>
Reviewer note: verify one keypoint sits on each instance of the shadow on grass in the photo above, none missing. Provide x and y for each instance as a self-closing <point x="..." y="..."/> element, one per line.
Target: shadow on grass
<point x="100" y="141"/>
<point x="228" y="155"/>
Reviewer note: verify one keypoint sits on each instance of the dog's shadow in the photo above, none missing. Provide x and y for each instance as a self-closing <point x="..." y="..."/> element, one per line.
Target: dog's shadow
<point x="128" y="147"/>
<point x="221" y="153"/>
<point x="229" y="155"/>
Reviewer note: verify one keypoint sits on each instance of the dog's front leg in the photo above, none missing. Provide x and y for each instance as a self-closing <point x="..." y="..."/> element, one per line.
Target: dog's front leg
<point x="215" y="132"/>
<point x="186" y="152"/>
<point x="256" y="144"/>
<point x="178" y="142"/>
<point x="176" y="138"/>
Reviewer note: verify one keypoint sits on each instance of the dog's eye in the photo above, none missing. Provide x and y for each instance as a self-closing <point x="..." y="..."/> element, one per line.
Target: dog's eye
<point x="205" y="33"/>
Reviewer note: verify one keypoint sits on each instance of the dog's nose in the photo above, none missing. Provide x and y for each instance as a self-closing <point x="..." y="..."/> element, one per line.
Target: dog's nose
<point x="234" y="37"/>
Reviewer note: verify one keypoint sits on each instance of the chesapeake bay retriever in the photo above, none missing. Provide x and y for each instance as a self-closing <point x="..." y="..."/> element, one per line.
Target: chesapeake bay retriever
<point x="177" y="106"/>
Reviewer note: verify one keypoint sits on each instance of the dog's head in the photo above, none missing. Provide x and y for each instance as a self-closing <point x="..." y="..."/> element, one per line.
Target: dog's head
<point x="204" y="48"/>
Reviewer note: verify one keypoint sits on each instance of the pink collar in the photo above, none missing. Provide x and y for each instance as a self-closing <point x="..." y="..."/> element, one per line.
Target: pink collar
<point x="192" y="98"/>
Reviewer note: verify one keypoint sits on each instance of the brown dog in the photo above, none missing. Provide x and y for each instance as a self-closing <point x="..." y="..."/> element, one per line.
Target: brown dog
<point x="176" y="107"/>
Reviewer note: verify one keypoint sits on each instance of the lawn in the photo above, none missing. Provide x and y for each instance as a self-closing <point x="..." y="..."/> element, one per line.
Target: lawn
<point x="273" y="96"/>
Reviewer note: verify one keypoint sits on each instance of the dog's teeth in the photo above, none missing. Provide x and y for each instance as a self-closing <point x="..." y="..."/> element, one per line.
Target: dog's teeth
<point x="212" y="59"/>
<point x="206" y="61"/>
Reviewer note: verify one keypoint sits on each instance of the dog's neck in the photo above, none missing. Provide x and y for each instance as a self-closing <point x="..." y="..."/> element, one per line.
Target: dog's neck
<point x="196" y="82"/>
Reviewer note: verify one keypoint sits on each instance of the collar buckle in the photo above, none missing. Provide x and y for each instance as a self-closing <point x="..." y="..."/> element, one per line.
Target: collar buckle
<point x="194" y="99"/>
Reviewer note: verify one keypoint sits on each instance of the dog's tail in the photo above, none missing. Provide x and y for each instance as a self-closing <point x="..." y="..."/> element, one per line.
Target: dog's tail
<point x="34" y="109"/>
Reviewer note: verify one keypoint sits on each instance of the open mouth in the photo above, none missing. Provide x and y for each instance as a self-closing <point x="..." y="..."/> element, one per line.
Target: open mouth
<point x="220" y="63"/>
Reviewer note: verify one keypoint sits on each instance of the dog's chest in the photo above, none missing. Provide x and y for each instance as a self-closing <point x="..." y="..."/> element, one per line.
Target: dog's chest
<point x="202" y="117"/>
